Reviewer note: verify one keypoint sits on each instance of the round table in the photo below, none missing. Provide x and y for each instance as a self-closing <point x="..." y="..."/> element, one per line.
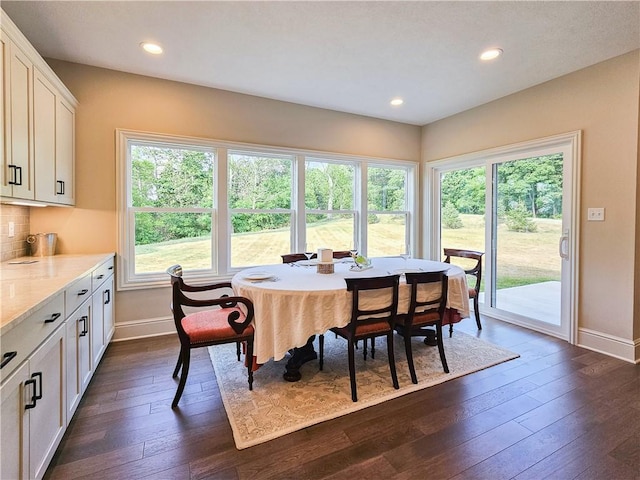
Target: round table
<point x="293" y="302"/>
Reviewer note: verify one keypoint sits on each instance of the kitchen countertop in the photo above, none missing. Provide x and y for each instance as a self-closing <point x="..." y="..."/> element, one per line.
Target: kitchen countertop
<point x="26" y="287"/>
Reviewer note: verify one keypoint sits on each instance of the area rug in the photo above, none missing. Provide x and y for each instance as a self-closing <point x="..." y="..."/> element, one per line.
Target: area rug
<point x="276" y="407"/>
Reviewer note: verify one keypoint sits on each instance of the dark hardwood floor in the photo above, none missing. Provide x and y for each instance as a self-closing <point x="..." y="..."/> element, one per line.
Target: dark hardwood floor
<point x="557" y="412"/>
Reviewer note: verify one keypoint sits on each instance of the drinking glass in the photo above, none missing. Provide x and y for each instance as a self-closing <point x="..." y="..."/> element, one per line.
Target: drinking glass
<point x="407" y="252"/>
<point x="308" y="251"/>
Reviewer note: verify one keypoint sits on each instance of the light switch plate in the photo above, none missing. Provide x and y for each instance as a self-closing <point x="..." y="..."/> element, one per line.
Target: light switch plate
<point x="595" y="214"/>
<point x="12" y="229"/>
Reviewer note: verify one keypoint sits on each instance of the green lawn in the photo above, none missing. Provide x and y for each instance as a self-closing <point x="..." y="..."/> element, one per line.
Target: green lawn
<point x="523" y="258"/>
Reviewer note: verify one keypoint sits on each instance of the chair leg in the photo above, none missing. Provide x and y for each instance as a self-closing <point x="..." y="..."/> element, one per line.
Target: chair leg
<point x="178" y="365"/>
<point x="352" y="371"/>
<point x="238" y="350"/>
<point x="186" y="357"/>
<point x="392" y="360"/>
<point x="250" y="362"/>
<point x="443" y="359"/>
<point x="451" y="330"/>
<point x="476" y="310"/>
<point x="321" y="350"/>
<point x="373" y="347"/>
<point x="409" y="350"/>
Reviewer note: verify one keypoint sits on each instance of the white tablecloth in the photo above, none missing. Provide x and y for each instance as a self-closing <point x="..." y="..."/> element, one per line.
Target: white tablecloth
<point x="299" y="302"/>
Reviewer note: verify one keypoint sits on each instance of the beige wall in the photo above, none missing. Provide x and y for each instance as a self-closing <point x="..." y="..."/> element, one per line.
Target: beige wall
<point x="109" y="100"/>
<point x="603" y="102"/>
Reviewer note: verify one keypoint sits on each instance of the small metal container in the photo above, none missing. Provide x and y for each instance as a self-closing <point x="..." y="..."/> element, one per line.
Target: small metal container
<point x="42" y="244"/>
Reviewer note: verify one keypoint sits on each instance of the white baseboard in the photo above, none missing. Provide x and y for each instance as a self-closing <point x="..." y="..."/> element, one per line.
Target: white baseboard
<point x="627" y="350"/>
<point x="149" y="327"/>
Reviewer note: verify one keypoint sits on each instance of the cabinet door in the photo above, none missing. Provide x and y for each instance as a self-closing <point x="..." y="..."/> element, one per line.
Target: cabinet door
<point x="65" y="152"/>
<point x="47" y="420"/>
<point x="109" y="319"/>
<point x="14" y="425"/>
<point x="97" y="325"/>
<point x="44" y="137"/>
<point x="73" y="383"/>
<point x="78" y="357"/>
<point x="20" y="124"/>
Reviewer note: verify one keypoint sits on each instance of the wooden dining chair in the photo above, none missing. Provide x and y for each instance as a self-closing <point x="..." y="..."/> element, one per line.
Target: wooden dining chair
<point x="369" y="322"/>
<point x="426" y="309"/>
<point x="296" y="257"/>
<point x="474" y="270"/>
<point x="227" y="323"/>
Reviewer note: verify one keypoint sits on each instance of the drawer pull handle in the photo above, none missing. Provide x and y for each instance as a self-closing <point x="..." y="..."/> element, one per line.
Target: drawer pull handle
<point x="84" y="331"/>
<point x="108" y="294"/>
<point x="110" y="268"/>
<point x="100" y="277"/>
<point x="31" y="381"/>
<point x="61" y="190"/>
<point x="39" y="376"/>
<point x="54" y="317"/>
<point x="36" y="396"/>
<point x="7" y="357"/>
<point x="82" y="292"/>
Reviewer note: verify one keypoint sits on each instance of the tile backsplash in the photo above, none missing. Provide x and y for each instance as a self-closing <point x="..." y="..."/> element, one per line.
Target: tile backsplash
<point x="16" y="246"/>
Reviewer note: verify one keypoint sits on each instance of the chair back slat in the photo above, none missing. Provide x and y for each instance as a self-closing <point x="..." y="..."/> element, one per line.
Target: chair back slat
<point x="436" y="302"/>
<point x="386" y="308"/>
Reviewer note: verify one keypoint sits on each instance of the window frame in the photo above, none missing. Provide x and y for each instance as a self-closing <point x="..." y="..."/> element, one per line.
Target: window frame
<point x="221" y="213"/>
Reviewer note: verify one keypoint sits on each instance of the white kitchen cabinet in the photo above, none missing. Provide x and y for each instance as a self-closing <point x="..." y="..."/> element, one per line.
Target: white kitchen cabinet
<point x="14" y="426"/>
<point x="33" y="411"/>
<point x="102" y="312"/>
<point x="78" y="357"/>
<point x="17" y="167"/>
<point x="53" y="133"/>
<point x="49" y="353"/>
<point x="38" y="131"/>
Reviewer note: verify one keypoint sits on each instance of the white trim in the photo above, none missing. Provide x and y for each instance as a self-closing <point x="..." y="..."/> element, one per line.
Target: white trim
<point x="611" y="345"/>
<point x="149" y="327"/>
<point x="221" y="213"/>
<point x="566" y="142"/>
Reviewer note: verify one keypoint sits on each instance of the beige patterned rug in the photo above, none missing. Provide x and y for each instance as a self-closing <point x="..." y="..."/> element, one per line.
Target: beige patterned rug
<point x="276" y="407"/>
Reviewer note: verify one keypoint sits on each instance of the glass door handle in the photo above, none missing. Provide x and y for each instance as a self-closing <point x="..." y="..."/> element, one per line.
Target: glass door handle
<point x="563" y="246"/>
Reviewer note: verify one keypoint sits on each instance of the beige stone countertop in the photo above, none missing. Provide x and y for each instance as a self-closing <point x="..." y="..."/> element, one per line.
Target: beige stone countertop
<point x="28" y="286"/>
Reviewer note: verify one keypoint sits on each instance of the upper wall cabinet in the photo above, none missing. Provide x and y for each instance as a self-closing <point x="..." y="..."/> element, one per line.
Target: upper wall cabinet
<point x="38" y="125"/>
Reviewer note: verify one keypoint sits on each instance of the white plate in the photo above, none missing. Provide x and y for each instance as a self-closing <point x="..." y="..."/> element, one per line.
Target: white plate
<point x="258" y="276"/>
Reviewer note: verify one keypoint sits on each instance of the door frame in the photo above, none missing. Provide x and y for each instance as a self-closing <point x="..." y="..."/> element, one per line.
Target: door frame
<point x="570" y="141"/>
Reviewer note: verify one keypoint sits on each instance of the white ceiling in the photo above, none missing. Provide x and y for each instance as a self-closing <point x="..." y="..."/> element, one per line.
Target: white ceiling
<point x="346" y="56"/>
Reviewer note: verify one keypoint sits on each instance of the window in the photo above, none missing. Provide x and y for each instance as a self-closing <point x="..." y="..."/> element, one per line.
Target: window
<point x="170" y="214"/>
<point x="329" y="198"/>
<point x="259" y="198"/>
<point x="218" y="207"/>
<point x="388" y="214"/>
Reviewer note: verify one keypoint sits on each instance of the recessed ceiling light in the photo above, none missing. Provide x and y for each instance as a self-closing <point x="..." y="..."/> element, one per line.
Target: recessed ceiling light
<point x="397" y="101"/>
<point x="152" y="48"/>
<point x="490" y="54"/>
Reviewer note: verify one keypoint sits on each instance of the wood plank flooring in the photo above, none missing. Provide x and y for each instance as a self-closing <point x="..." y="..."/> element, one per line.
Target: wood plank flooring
<point x="557" y="412"/>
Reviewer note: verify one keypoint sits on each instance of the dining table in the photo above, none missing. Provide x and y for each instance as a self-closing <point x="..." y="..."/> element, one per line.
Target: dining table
<point x="293" y="302"/>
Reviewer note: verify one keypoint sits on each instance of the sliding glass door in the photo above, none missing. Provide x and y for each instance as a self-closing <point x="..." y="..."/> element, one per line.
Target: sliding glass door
<point x="516" y="205"/>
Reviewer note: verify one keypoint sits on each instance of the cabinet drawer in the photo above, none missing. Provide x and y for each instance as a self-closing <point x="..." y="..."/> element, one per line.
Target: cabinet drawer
<point x="100" y="274"/>
<point x="77" y="293"/>
<point x="19" y="342"/>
